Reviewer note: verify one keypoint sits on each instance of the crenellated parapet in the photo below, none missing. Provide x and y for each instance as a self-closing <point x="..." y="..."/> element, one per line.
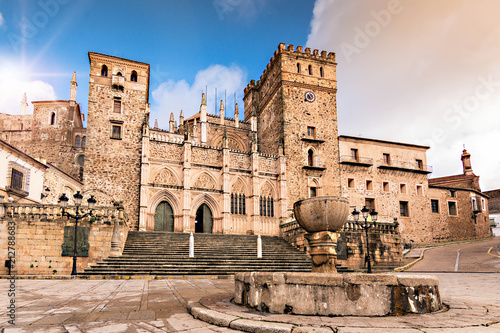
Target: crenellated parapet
<point x="299" y="52"/>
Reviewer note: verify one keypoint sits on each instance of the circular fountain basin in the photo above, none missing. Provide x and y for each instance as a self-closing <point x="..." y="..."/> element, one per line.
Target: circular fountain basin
<point x="326" y="213"/>
<point x="323" y="294"/>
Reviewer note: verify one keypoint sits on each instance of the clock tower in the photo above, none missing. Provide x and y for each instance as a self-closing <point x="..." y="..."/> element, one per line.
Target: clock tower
<point x="296" y="108"/>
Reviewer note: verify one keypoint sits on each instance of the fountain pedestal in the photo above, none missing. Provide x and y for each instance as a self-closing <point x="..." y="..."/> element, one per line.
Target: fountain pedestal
<point x="323" y="253"/>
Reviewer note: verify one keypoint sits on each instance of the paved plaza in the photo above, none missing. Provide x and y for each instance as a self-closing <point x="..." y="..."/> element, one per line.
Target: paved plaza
<point x="160" y="305"/>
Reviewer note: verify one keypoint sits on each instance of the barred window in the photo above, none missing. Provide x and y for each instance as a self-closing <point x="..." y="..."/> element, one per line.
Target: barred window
<point x="238" y="203"/>
<point x="16" y="180"/>
<point x="266" y="205"/>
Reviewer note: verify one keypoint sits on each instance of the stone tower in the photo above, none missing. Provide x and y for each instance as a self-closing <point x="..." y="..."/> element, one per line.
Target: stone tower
<point x="118" y="109"/>
<point x="296" y="108"/>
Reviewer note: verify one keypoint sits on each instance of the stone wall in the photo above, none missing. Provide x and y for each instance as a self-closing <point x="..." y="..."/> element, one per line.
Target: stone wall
<point x="302" y="124"/>
<point x="39" y="235"/>
<point x="467" y="223"/>
<point x="113" y="164"/>
<point x="35" y="135"/>
<point x="385" y="243"/>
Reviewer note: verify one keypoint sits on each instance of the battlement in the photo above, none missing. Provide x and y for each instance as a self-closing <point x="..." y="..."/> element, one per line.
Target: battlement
<point x="290" y="50"/>
<point x="283" y="48"/>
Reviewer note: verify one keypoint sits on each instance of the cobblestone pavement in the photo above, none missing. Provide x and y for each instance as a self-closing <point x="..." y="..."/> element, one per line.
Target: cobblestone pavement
<point x="108" y="305"/>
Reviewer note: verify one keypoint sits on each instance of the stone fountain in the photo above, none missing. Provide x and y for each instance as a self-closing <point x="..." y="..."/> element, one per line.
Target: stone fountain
<point x="324" y="291"/>
<point x="322" y="217"/>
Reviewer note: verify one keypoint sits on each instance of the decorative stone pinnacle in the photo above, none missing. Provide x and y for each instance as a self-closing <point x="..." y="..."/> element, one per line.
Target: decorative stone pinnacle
<point x="203" y="99"/>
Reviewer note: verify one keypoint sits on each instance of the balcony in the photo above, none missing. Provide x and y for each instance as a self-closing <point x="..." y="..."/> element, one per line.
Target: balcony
<point x="317" y="166"/>
<point x="311" y="139"/>
<point x="16" y="191"/>
<point x="118" y="82"/>
<point x="360" y="161"/>
<point x="405" y="166"/>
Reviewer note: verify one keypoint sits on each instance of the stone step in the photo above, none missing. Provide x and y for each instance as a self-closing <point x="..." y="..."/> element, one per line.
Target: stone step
<point x="164" y="253"/>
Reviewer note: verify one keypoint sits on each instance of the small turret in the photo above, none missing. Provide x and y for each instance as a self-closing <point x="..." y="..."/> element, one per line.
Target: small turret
<point x="181" y="123"/>
<point x="171" y="123"/>
<point x="203" y="118"/>
<point x="72" y="93"/>
<point x="24" y="105"/>
<point x="221" y="112"/>
<point x="466" y="163"/>
<point x="156" y="123"/>
<point x="195" y="128"/>
<point x="236" y="115"/>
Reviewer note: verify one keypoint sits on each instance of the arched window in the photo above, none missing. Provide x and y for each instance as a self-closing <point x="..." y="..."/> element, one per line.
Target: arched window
<point x="310" y="157"/>
<point x="321" y="72"/>
<point x="77" y="141"/>
<point x="133" y="76"/>
<point x="53" y="118"/>
<point x="104" y="70"/>
<point x="119" y="74"/>
<point x="84" y="141"/>
<point x="310" y="68"/>
<point x="298" y="68"/>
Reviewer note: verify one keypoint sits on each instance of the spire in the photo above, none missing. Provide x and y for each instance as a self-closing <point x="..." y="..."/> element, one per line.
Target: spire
<point x="156" y="123"/>
<point x="236" y="115"/>
<point x="171" y="123"/>
<point x="466" y="163"/>
<point x="221" y="112"/>
<point x="72" y="94"/>
<point x="24" y="105"/>
<point x="203" y="108"/>
<point x="181" y="123"/>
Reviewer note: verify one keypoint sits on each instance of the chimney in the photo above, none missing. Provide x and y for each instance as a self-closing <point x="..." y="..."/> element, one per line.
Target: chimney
<point x="466" y="163"/>
<point x="24" y="105"/>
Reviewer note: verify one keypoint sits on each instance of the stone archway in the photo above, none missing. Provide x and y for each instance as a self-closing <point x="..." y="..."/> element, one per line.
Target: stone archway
<point x="164" y="217"/>
<point x="204" y="220"/>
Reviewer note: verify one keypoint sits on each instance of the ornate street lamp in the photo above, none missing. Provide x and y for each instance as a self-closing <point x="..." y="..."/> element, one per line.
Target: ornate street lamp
<point x="365" y="212"/>
<point x="63" y="201"/>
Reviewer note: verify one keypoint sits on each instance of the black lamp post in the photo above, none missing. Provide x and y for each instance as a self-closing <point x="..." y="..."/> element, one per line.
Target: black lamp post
<point x="63" y="200"/>
<point x="366" y="226"/>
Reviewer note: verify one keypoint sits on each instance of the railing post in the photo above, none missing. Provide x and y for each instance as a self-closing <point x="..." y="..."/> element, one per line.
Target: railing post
<point x="259" y="247"/>
<point x="191" y="246"/>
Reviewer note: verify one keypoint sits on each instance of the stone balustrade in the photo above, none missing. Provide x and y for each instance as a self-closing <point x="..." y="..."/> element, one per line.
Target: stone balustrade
<point x="101" y="214"/>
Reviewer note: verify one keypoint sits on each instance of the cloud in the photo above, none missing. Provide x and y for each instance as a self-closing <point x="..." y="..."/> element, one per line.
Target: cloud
<point x="246" y="10"/>
<point x="173" y="96"/>
<point x="415" y="71"/>
<point x="2" y="21"/>
<point x="14" y="84"/>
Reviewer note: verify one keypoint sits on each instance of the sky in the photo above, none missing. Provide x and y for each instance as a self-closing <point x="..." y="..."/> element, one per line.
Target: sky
<point x="424" y="72"/>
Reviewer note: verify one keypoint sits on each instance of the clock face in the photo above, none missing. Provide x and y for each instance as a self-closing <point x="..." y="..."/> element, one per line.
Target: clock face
<point x="310" y="97"/>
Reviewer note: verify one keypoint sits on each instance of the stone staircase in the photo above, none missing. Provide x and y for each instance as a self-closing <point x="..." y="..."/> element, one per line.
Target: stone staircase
<point x="165" y="253"/>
